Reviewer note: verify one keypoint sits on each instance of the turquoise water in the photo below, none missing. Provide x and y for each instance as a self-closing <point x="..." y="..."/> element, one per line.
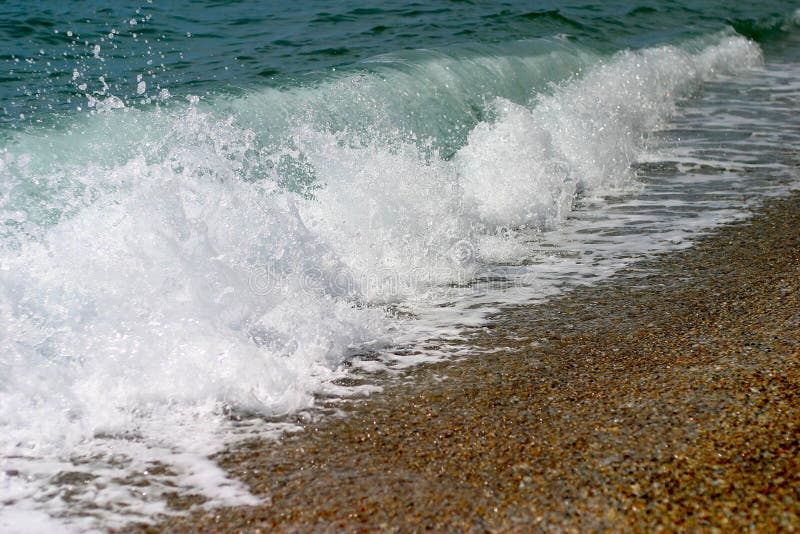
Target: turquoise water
<point x="212" y="48"/>
<point x="210" y="212"/>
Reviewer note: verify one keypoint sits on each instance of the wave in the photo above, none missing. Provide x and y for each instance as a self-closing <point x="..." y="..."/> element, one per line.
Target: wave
<point x="231" y="253"/>
<point x="763" y="30"/>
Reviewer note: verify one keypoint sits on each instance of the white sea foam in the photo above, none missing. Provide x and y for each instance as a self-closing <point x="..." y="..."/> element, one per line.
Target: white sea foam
<point x="170" y="277"/>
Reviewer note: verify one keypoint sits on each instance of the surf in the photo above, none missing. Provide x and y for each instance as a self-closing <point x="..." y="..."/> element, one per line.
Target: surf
<point x="184" y="261"/>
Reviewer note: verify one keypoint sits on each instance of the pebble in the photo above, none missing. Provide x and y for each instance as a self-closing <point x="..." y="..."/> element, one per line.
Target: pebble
<point x="670" y="402"/>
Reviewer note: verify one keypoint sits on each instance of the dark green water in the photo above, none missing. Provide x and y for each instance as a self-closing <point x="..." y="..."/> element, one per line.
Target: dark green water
<point x="49" y="58"/>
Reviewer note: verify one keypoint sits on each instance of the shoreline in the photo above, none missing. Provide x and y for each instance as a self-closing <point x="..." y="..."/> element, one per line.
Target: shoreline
<point x="667" y="396"/>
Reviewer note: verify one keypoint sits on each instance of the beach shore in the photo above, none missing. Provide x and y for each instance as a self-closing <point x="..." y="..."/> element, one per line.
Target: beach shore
<point x="667" y="397"/>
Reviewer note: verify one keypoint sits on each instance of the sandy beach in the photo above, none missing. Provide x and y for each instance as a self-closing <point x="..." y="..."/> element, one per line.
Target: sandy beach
<point x="666" y="398"/>
<point x="449" y="266"/>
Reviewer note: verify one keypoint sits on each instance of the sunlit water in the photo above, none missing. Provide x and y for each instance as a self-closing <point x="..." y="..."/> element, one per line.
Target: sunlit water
<point x="212" y="214"/>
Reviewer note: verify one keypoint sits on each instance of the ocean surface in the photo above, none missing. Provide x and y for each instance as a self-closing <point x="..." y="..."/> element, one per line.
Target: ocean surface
<point x="213" y="214"/>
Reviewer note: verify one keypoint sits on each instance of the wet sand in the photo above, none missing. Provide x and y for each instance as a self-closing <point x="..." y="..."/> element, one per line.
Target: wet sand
<point x="667" y="397"/>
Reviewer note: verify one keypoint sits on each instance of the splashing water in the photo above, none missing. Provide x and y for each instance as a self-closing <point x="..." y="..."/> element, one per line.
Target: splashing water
<point x="165" y="267"/>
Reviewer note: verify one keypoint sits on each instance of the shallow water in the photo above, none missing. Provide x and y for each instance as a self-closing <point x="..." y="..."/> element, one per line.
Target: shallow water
<point x="213" y="209"/>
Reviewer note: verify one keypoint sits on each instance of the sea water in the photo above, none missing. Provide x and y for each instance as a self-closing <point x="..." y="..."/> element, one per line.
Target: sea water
<point x="212" y="212"/>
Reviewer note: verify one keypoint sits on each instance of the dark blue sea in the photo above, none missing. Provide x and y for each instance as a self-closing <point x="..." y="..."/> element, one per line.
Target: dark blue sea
<point x="215" y="213"/>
